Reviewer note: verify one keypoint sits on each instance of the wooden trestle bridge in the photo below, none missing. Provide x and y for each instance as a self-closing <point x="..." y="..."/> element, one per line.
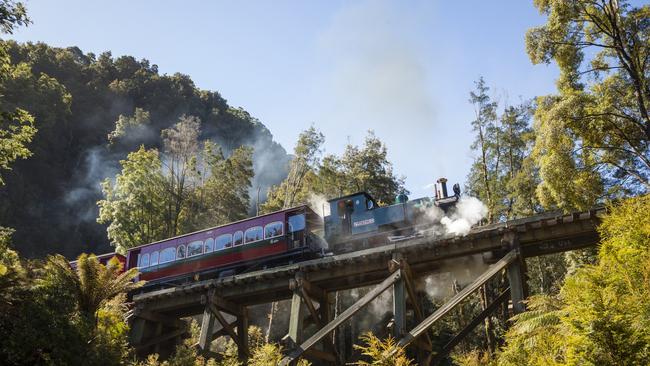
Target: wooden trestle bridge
<point x="156" y="319"/>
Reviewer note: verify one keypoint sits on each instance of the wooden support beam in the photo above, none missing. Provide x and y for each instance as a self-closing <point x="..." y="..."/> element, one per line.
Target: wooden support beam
<point x="242" y="332"/>
<point x="388" y="282"/>
<point x="224" y="324"/>
<point x="207" y="325"/>
<point x="326" y="317"/>
<point x="227" y="306"/>
<point x="301" y="282"/>
<point x="516" y="274"/>
<point x="221" y="303"/>
<point x="310" y="306"/>
<point x="471" y="325"/>
<point x="157" y="333"/>
<point x="222" y="331"/>
<point x="451" y="304"/>
<point x="296" y="318"/>
<point x="419" y="315"/>
<point x="399" y="308"/>
<point x="516" y="281"/>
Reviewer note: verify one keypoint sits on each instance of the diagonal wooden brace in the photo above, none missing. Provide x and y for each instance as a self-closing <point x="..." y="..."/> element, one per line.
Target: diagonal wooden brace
<point x="451" y="304"/>
<point x="383" y="286"/>
<point x="471" y="325"/>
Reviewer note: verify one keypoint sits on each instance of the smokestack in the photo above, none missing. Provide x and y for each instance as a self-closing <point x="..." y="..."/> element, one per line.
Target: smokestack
<point x="443" y="185"/>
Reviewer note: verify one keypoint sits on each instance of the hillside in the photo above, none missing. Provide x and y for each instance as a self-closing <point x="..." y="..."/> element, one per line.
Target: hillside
<point x="76" y="99"/>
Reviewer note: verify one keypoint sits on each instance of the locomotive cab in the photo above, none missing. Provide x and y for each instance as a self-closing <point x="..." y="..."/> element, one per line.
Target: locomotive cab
<point x="350" y="215"/>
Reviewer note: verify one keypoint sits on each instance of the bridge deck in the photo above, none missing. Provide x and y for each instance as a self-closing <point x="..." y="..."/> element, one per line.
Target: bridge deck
<point x="537" y="235"/>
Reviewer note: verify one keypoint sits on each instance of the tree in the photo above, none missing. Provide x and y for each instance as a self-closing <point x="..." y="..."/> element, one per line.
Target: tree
<point x="138" y="124"/>
<point x="518" y="178"/>
<point x="135" y="207"/>
<point x="92" y="283"/>
<point x="16" y="124"/>
<point x="592" y="137"/>
<point x="365" y="168"/>
<point x="181" y="146"/>
<point x="305" y="163"/>
<point x="537" y="336"/>
<point x="368" y="169"/>
<point x="12" y="15"/>
<point x="484" y="175"/>
<point x="184" y="189"/>
<point x="223" y="197"/>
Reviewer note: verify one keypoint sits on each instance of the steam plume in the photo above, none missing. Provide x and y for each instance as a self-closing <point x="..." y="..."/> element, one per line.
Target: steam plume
<point x="468" y="212"/>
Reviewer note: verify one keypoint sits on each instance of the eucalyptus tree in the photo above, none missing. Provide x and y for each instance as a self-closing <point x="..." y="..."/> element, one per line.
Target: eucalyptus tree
<point x="592" y="136"/>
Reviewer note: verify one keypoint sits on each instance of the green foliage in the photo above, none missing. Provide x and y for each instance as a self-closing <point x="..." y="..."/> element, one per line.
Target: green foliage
<point x="592" y="137"/>
<point x="186" y="354"/>
<point x="312" y="178"/>
<point x="473" y="358"/>
<point x="186" y="189"/>
<point x="16" y="125"/>
<point x="296" y="188"/>
<point x="223" y="196"/>
<point x="92" y="284"/>
<point x="134" y="206"/>
<point x="501" y="175"/>
<point x="65" y="317"/>
<point x="127" y="125"/>
<point x="602" y="315"/>
<point x="382" y="353"/>
<point x="537" y="336"/>
<point x="12" y="14"/>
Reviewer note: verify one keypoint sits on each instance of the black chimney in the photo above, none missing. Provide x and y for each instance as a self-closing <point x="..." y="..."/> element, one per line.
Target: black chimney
<point x="443" y="185"/>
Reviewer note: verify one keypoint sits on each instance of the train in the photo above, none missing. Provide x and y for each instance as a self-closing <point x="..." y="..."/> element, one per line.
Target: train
<point x="354" y="222"/>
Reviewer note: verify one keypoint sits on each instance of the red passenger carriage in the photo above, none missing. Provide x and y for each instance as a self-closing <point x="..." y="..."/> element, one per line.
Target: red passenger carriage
<point x="276" y="238"/>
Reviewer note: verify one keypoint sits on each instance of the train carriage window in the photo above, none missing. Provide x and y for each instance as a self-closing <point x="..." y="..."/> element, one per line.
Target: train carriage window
<point x="273" y="229"/>
<point x="253" y="234"/>
<point x="209" y="245"/>
<point x="180" y="252"/>
<point x="238" y="238"/>
<point x="154" y="258"/>
<point x="296" y="223"/>
<point x="223" y="241"/>
<point x="167" y="255"/>
<point x="195" y="248"/>
<point x="144" y="261"/>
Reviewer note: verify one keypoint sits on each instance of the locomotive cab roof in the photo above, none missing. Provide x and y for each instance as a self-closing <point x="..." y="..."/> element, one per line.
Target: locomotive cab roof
<point x="365" y="194"/>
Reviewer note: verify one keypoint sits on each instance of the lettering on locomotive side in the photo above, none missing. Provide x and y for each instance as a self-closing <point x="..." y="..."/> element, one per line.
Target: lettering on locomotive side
<point x="364" y="222"/>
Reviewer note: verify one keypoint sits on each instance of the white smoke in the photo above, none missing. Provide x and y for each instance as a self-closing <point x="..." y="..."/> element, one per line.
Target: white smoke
<point x="459" y="271"/>
<point x="468" y="212"/>
<point x="459" y="220"/>
<point x="319" y="204"/>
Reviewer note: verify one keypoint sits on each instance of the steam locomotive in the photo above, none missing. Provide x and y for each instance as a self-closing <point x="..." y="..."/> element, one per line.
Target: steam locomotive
<point x="354" y="222"/>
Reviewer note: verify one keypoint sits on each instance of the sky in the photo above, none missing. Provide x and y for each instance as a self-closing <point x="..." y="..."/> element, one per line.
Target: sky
<point x="403" y="69"/>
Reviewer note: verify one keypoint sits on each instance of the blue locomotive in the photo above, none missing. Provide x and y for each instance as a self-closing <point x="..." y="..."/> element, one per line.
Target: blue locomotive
<point x="356" y="221"/>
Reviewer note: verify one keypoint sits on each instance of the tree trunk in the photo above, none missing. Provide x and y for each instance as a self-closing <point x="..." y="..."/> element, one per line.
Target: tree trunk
<point x="489" y="328"/>
<point x="274" y="306"/>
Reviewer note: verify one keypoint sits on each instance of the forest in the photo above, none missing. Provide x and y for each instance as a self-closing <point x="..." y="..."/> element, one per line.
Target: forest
<point x="101" y="153"/>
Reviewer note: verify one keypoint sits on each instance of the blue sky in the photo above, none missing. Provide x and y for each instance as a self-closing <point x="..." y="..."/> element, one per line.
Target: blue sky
<point x="401" y="68"/>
